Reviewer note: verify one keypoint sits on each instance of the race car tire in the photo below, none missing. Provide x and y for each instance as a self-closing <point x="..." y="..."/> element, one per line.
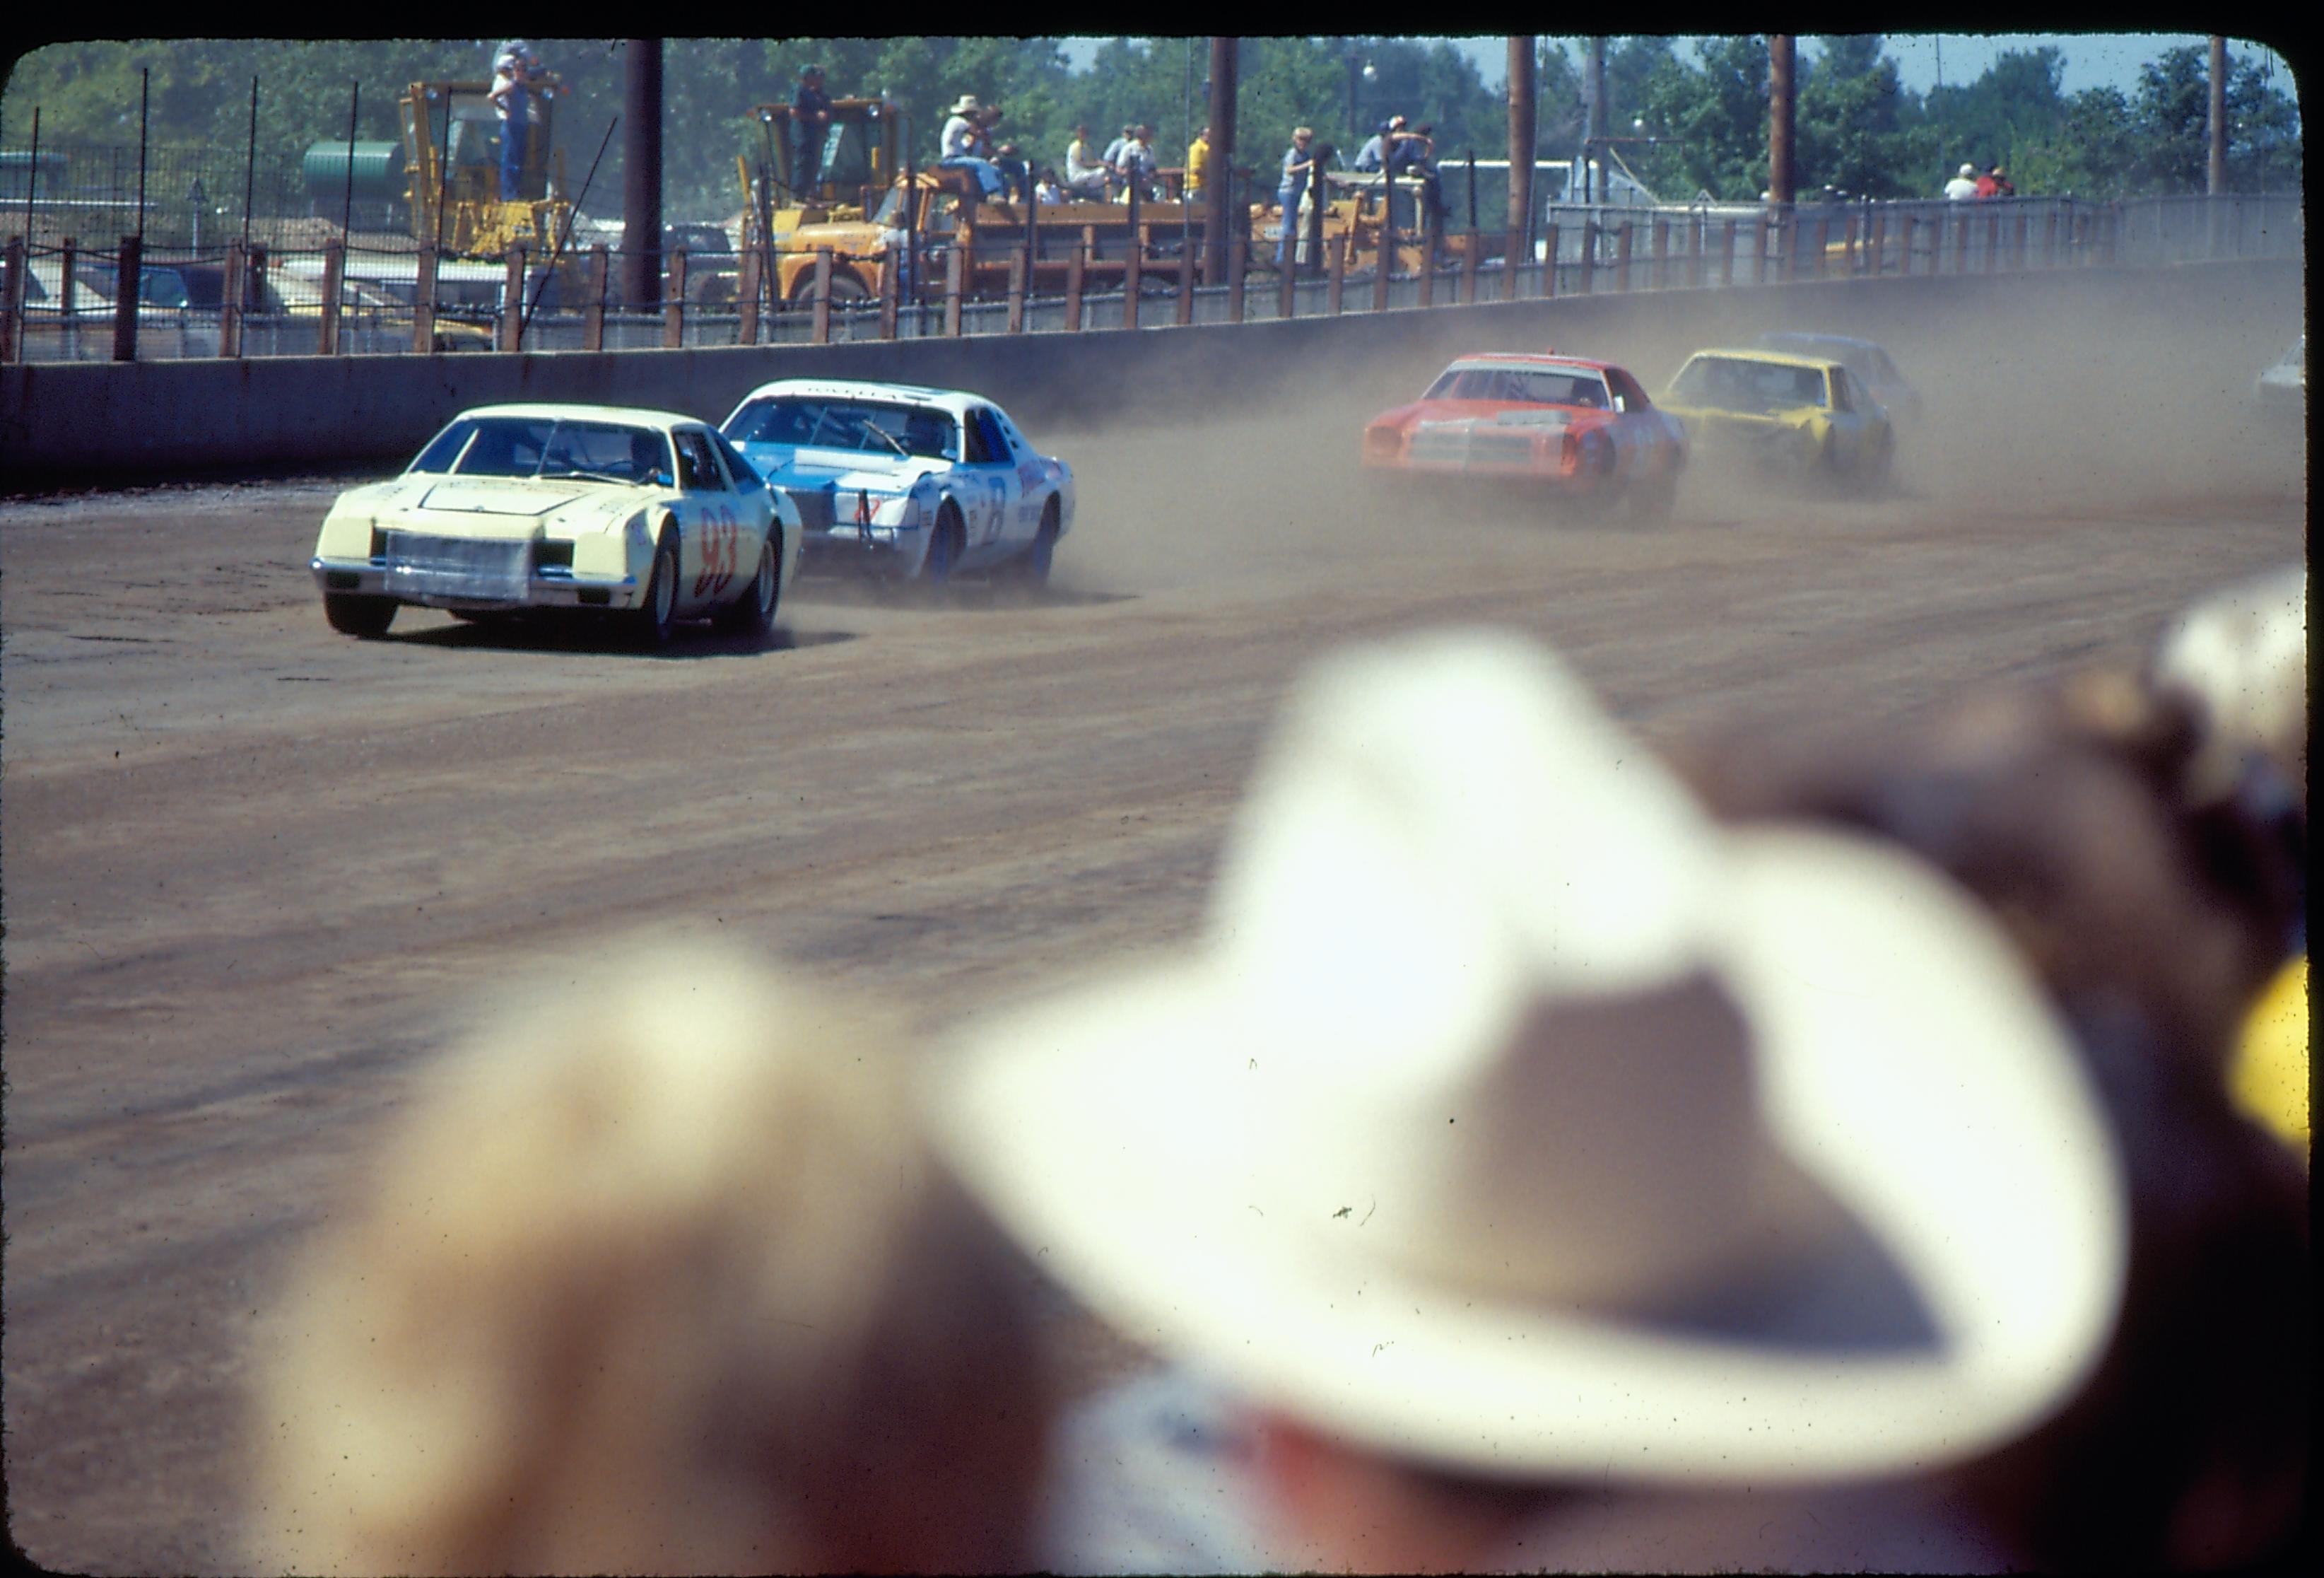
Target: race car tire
<point x="753" y="613"/>
<point x="943" y="547"/>
<point x="1030" y="568"/>
<point x="651" y="622"/>
<point x="352" y="613"/>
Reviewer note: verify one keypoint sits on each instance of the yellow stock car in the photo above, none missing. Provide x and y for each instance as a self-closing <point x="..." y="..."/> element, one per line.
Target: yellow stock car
<point x="646" y="516"/>
<point x="1798" y="416"/>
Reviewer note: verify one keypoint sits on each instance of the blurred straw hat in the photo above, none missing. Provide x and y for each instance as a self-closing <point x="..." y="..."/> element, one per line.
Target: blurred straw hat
<point x="1511" y="1116"/>
<point x="967" y="104"/>
<point x="2240" y="655"/>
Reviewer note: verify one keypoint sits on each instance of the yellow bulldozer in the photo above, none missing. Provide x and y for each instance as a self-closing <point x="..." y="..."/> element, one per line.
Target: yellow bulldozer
<point x="451" y="145"/>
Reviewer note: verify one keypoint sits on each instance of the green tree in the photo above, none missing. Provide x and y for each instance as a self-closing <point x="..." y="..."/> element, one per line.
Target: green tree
<point x="1850" y="122"/>
<point x="1713" y="120"/>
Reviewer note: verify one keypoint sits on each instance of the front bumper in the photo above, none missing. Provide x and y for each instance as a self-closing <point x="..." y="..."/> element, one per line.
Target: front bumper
<point x="462" y="573"/>
<point x="866" y="549"/>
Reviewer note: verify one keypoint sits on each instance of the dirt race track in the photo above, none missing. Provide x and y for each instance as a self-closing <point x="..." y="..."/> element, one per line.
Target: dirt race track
<point x="254" y="871"/>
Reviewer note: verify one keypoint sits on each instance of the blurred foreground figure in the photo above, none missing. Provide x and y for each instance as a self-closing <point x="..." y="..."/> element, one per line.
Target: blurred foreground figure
<point x="2133" y="840"/>
<point x="655" y="1279"/>
<point x="1554" y="1179"/>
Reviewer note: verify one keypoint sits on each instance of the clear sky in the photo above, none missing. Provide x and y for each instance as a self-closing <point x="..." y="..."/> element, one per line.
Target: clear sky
<point x="2093" y="59"/>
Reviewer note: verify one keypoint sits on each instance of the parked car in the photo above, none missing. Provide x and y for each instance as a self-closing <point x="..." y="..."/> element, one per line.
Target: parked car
<point x="1870" y="366"/>
<point x="1561" y="426"/>
<point x="1797" y="416"/>
<point x="644" y="516"/>
<point x="906" y="482"/>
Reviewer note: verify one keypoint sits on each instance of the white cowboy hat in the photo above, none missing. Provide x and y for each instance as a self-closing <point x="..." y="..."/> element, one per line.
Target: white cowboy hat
<point x="1969" y="170"/>
<point x="966" y="105"/>
<point x="2241" y="656"/>
<point x="1513" y="1116"/>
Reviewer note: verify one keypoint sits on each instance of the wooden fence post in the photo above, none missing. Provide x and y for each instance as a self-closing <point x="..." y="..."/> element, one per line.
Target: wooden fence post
<point x="1335" y="294"/>
<point x="1512" y="254"/>
<point x="956" y="272"/>
<point x="1658" y="272"/>
<point x="1905" y="243"/>
<point x="822" y="332"/>
<point x="1549" y="240"/>
<point x="233" y="291"/>
<point x="747" y="290"/>
<point x="423" y="304"/>
<point x="1286" y="277"/>
<point x="1469" y="255"/>
<point x="1017" y="292"/>
<point x="1237" y="260"/>
<point x="334" y="265"/>
<point x="1589" y="255"/>
<point x="673" y="300"/>
<point x="1132" y="267"/>
<point x="125" y="298"/>
<point x="891" y="268"/>
<point x="1622" y="255"/>
<point x="12" y="264"/>
<point x="1074" y="266"/>
<point x="1384" y="261"/>
<point x="1186" y="252"/>
<point x="592" y="316"/>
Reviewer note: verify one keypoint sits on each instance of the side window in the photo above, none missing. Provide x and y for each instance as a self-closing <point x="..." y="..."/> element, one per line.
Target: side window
<point x="975" y="450"/>
<point x="996" y="442"/>
<point x="698" y="467"/>
<point x="1840" y="399"/>
<point x="737" y="467"/>
<point x="1628" y="395"/>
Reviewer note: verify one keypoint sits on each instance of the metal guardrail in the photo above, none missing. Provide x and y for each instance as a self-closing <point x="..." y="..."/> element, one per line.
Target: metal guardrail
<point x="60" y="303"/>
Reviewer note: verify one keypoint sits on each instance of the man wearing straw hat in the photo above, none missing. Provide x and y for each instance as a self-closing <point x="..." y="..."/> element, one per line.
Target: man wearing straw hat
<point x="1555" y="1178"/>
<point x="959" y="142"/>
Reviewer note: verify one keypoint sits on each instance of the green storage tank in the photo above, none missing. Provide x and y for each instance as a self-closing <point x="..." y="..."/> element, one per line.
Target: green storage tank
<point x="379" y="170"/>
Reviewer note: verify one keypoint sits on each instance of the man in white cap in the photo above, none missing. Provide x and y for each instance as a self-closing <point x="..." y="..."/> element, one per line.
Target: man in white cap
<point x="1558" y="1179"/>
<point x="1963" y="186"/>
<point x="959" y="141"/>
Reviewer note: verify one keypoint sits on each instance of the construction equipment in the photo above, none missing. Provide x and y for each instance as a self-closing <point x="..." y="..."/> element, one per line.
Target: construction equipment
<point x="451" y="145"/>
<point x="1355" y="206"/>
<point x="946" y="211"/>
<point x="858" y="161"/>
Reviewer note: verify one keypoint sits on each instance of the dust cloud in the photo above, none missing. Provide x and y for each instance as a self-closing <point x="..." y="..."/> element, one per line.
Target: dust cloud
<point x="2062" y="396"/>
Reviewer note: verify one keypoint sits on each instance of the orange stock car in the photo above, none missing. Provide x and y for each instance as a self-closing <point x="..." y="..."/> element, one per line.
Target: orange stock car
<point x="1568" y="427"/>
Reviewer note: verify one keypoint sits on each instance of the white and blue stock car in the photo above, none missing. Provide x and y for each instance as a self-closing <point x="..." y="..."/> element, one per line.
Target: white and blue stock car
<point x="906" y="481"/>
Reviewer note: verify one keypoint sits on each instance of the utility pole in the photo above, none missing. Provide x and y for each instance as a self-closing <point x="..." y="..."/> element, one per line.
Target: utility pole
<point x="1782" y="57"/>
<point x="1217" y="201"/>
<point x="1522" y="101"/>
<point x="2217" y="186"/>
<point x="1593" y="123"/>
<point x="641" y="172"/>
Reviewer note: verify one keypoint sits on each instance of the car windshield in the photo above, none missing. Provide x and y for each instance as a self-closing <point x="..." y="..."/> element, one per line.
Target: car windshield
<point x="1527" y="385"/>
<point x="1739" y="384"/>
<point x="595" y="451"/>
<point x="804" y="421"/>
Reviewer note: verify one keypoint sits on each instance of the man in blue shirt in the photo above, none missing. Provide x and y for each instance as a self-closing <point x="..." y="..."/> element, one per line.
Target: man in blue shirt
<point x="810" y="124"/>
<point x="1299" y="161"/>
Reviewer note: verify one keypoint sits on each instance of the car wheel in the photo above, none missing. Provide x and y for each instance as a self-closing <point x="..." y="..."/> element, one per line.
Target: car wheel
<point x="945" y="546"/>
<point x="352" y="613"/>
<point x="1032" y="567"/>
<point x="654" y="619"/>
<point x="753" y="613"/>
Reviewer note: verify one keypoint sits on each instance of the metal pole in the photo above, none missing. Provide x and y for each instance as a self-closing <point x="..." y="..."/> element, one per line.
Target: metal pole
<point x="1473" y="191"/>
<point x="32" y="180"/>
<point x="145" y="98"/>
<point x="1521" y="155"/>
<point x="1782" y="57"/>
<point x="1215" y="201"/>
<point x="1594" y="124"/>
<point x="642" y="173"/>
<point x="250" y="166"/>
<point x="347" y="204"/>
<point x="2218" y="117"/>
<point x="911" y="279"/>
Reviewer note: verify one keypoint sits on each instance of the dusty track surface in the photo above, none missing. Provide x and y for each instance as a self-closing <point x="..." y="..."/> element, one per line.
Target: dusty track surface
<point x="254" y="871"/>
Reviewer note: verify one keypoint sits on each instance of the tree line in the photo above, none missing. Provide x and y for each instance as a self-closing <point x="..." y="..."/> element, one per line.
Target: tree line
<point x="1858" y="129"/>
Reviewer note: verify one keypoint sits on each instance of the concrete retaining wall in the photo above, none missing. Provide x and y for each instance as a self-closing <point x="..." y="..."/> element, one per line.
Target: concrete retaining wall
<point x="106" y="421"/>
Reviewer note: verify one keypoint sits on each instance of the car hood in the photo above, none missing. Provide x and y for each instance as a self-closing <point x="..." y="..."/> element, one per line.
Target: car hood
<point x="1796" y="416"/>
<point x="494" y="506"/>
<point x="808" y="470"/>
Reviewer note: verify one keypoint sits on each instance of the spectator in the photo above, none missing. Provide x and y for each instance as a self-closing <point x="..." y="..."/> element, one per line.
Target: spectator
<point x="655" y="1279"/>
<point x="810" y="126"/>
<point x="962" y="135"/>
<point x="1198" y="164"/>
<point x="1298" y="160"/>
<point x="1372" y="157"/>
<point x="1136" y="165"/>
<point x="1046" y="188"/>
<point x="1508" y="1145"/>
<point x="1988" y="186"/>
<point x="1004" y="157"/>
<point x="1113" y="183"/>
<point x="2151" y="919"/>
<point x="1085" y="175"/>
<point x="511" y="99"/>
<point x="2001" y="187"/>
<point x="1963" y="186"/>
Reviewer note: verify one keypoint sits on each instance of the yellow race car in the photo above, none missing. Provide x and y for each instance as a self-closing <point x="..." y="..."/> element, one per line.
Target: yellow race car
<point x="1799" y="415"/>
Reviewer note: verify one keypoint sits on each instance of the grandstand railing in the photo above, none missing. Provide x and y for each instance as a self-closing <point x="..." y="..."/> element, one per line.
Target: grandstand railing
<point x="59" y="299"/>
